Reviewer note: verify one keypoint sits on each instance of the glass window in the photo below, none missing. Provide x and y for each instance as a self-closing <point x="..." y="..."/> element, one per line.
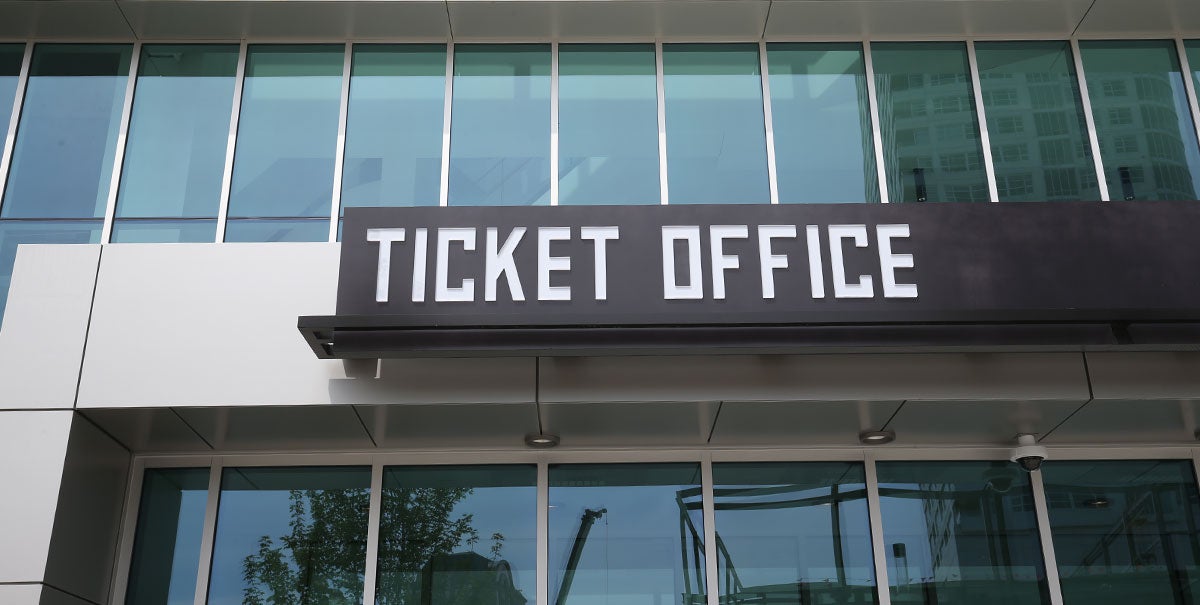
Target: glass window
<point x="1149" y="150"/>
<point x="11" y="56"/>
<point x="1124" y="531"/>
<point x="793" y="533"/>
<point x="291" y="535"/>
<point x="14" y="233"/>
<point x="500" y="125"/>
<point x="626" y="533"/>
<point x="63" y="158"/>
<point x="458" y="534"/>
<point x="922" y="88"/>
<point x="166" y="550"/>
<point x="394" y="126"/>
<point x="1038" y="80"/>
<point x="819" y="94"/>
<point x="608" y="124"/>
<point x="716" y="139"/>
<point x="287" y="136"/>
<point x="175" y="154"/>
<point x="960" y="533"/>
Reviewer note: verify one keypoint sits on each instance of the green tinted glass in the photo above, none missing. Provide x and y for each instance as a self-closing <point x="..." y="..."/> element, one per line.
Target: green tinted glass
<point x="166" y="550"/>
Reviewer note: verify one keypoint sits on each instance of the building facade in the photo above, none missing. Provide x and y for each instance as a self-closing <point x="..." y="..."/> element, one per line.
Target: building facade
<point x="693" y="302"/>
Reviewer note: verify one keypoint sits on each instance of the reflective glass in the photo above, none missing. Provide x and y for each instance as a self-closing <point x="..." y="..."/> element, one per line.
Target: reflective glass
<point x="500" y="125"/>
<point x="67" y="137"/>
<point x="394" y="126"/>
<point x="928" y="122"/>
<point x="277" y="230"/>
<point x="822" y="124"/>
<point x="129" y="231"/>
<point x="1125" y="531"/>
<point x="716" y="138"/>
<point x="607" y="124"/>
<point x="13" y="233"/>
<point x="1143" y="121"/>
<point x="793" y="533"/>
<point x="458" y="534"/>
<point x="287" y="132"/>
<point x="11" y="56"/>
<point x="178" y="130"/>
<point x="166" y="549"/>
<point x="1040" y="147"/>
<point x="626" y="533"/>
<point x="960" y="533"/>
<point x="291" y="535"/>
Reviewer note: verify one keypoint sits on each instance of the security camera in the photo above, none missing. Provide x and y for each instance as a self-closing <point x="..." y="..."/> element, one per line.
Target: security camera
<point x="1028" y="454"/>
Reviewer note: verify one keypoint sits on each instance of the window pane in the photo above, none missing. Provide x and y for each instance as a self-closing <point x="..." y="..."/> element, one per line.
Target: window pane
<point x="960" y="533"/>
<point x="166" y="551"/>
<point x="13" y="233"/>
<point x="928" y="123"/>
<point x="1147" y="140"/>
<point x="1038" y="132"/>
<point x="626" y="533"/>
<point x="277" y="230"/>
<point x="819" y="93"/>
<point x="458" y="534"/>
<point x="716" y="140"/>
<point x="130" y="231"/>
<point x="793" y="533"/>
<point x="500" y="125"/>
<point x="62" y="162"/>
<point x="608" y="124"/>
<point x="287" y="132"/>
<point x="291" y="535"/>
<point x="394" y="126"/>
<point x="11" y="56"/>
<point x="1124" y="531"/>
<point x="178" y="130"/>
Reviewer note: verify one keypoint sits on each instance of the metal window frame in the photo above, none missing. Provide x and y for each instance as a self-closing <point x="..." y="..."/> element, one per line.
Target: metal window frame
<point x="339" y="154"/>
<point x="768" y="125"/>
<point x="985" y="141"/>
<point x="114" y="182"/>
<point x="14" y="120"/>
<point x="554" y="165"/>
<point x="447" y="106"/>
<point x="876" y="129"/>
<point x="663" y="189"/>
<point x="239" y="83"/>
<point x="1089" y="117"/>
<point x="1189" y="85"/>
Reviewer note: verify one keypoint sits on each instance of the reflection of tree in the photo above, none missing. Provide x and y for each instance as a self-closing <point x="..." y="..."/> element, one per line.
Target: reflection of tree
<point x="321" y="561"/>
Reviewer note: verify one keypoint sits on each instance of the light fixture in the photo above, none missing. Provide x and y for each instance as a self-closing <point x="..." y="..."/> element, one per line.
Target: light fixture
<point x="1097" y="502"/>
<point x="540" y="440"/>
<point x="876" y="437"/>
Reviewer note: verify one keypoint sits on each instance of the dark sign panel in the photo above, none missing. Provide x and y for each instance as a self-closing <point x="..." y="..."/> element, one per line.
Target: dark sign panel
<point x="684" y="265"/>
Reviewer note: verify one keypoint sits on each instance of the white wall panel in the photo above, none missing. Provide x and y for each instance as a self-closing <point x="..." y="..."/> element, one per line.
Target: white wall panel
<point x="20" y="594"/>
<point x="33" y="448"/>
<point x="1135" y="376"/>
<point x="45" y="326"/>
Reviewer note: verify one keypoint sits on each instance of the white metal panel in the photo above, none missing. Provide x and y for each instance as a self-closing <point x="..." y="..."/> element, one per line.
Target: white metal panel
<point x="487" y="425"/>
<point x="45" y="325"/>
<point x="646" y="424"/>
<point x="1130" y="421"/>
<point x="65" y="18"/>
<point x="1145" y="375"/>
<point x="148" y="429"/>
<point x="33" y="448"/>
<point x="209" y="325"/>
<point x="1123" y="17"/>
<point x="276" y="428"/>
<point x="21" y="594"/>
<point x="977" y="422"/>
<point x="913" y="19"/>
<point x="792" y="423"/>
<point x="467" y="380"/>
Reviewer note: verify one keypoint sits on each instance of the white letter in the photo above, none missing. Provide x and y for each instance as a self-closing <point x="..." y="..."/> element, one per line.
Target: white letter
<point x="888" y="262"/>
<point x="816" y="268"/>
<point x="721" y="261"/>
<point x="768" y="262"/>
<point x="841" y="289"/>
<point x="600" y="235"/>
<point x="385" y="237"/>
<point x="442" y="290"/>
<point x="501" y="262"/>
<point x="420" y="251"/>
<point x="547" y="263"/>
<point x="695" y="287"/>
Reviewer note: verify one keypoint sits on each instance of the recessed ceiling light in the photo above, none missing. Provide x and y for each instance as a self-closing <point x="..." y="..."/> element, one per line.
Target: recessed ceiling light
<point x="876" y="437"/>
<point x="541" y="440"/>
<point x="1097" y="502"/>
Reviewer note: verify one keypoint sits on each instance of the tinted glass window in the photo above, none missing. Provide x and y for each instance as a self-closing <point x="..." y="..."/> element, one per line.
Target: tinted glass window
<point x="166" y="551"/>
<point x="11" y="56"/>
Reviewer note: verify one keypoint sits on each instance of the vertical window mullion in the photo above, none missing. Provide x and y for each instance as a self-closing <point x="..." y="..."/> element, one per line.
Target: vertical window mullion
<point x="210" y="528"/>
<point x="129" y="522"/>
<point x="876" y="132"/>
<point x="339" y="156"/>
<point x="543" y="534"/>
<point x="1093" y="137"/>
<point x="1189" y="84"/>
<point x="554" y="123"/>
<point x="768" y="121"/>
<point x="371" y="571"/>
<point x="231" y="143"/>
<point x="712" y="580"/>
<point x="882" y="585"/>
<point x="14" y="119"/>
<point x="1043" y="521"/>
<point x="662" y="124"/>
<point x="122" y="138"/>
<point x="985" y="141"/>
<point x="444" y="186"/>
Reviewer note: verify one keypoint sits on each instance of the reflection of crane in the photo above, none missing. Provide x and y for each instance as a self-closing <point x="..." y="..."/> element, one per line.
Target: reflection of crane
<point x="585" y="527"/>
